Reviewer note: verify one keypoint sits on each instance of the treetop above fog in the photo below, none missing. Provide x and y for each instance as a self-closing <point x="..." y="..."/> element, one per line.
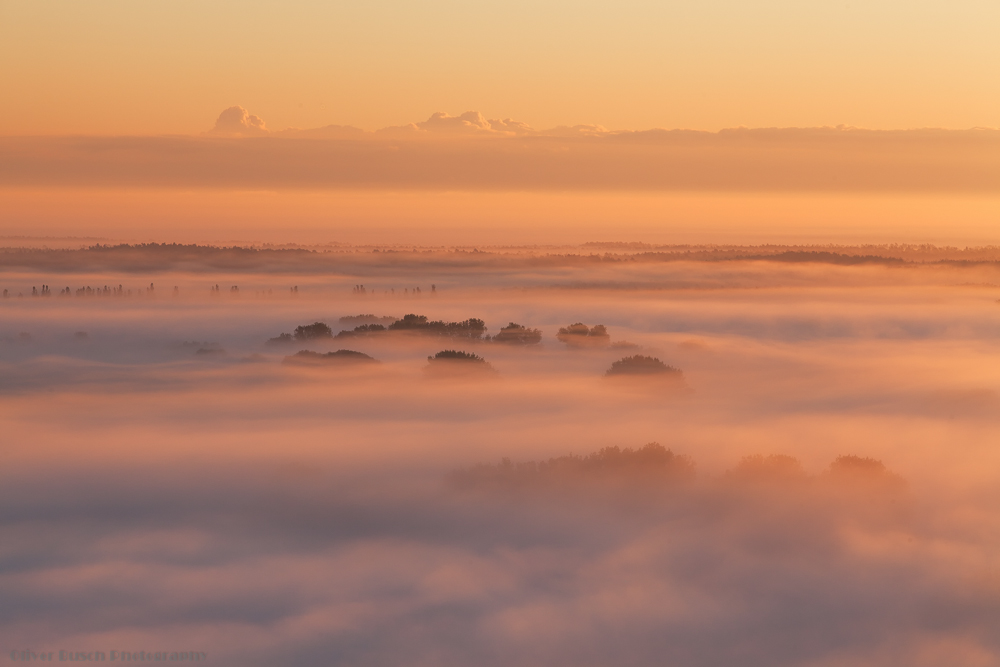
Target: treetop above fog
<point x="309" y="358"/>
<point x="581" y="334"/>
<point x="515" y="334"/>
<point x="312" y="331"/>
<point x="457" y="355"/>
<point x="470" y="328"/>
<point x="641" y="365"/>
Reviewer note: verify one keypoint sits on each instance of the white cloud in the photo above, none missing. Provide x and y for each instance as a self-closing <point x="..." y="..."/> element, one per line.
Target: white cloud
<point x="238" y="121"/>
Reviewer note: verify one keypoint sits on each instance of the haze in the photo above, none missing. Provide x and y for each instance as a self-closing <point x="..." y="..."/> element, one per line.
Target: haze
<point x="449" y="334"/>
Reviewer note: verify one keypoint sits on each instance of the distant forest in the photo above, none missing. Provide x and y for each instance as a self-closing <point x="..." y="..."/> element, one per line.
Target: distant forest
<point x="343" y="259"/>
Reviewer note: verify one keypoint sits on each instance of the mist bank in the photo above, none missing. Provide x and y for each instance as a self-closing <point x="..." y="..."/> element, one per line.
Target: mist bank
<point x="765" y="160"/>
<point x="254" y="562"/>
<point x="824" y="491"/>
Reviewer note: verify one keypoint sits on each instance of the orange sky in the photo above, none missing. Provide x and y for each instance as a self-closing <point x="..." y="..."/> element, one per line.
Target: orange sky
<point x="439" y="218"/>
<point x="145" y="70"/>
<point x="121" y="67"/>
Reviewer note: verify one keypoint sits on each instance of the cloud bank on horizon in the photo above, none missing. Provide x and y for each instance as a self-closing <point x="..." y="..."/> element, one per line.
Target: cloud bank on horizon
<point x="238" y="122"/>
<point x="472" y="152"/>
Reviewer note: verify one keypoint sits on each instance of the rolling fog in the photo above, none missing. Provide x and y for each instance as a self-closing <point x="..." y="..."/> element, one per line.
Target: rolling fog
<point x="168" y="484"/>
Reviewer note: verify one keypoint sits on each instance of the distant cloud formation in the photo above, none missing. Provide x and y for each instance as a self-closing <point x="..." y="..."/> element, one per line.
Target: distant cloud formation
<point x="239" y="122"/>
<point x="472" y="152"/>
<point x="468" y="123"/>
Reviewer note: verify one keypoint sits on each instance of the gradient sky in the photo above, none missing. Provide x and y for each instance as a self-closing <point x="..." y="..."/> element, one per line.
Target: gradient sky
<point x="125" y="67"/>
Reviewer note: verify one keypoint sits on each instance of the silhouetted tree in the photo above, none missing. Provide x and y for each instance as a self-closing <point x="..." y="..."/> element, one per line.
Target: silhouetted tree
<point x="340" y="357"/>
<point x="409" y="321"/>
<point x="640" y="365"/>
<point x="457" y="362"/>
<point x="312" y="331"/>
<point x="363" y="330"/>
<point x="581" y="335"/>
<point x="515" y="334"/>
<point x="470" y="328"/>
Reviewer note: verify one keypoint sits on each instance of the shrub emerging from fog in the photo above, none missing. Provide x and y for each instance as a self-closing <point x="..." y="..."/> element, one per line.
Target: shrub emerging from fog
<point x="652" y="462"/>
<point x="458" y="356"/>
<point x="470" y="328"/>
<point x="580" y="335"/>
<point x="457" y="362"/>
<point x="640" y="365"/>
<point x="312" y="331"/>
<point x="281" y="339"/>
<point x="340" y="357"/>
<point x="515" y="334"/>
<point x="362" y="330"/>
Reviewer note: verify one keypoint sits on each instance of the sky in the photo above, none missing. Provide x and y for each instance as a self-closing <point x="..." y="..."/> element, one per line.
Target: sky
<point x="120" y="67"/>
<point x="131" y="121"/>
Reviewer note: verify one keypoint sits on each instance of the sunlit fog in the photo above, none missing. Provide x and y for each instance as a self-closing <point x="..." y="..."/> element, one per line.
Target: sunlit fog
<point x="606" y="454"/>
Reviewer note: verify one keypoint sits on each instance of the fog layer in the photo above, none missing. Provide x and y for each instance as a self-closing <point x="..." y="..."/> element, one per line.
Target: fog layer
<point x="168" y="484"/>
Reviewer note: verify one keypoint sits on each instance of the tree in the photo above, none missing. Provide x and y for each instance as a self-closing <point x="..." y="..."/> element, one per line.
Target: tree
<point x="640" y="365"/>
<point x="580" y="334"/>
<point x="312" y="331"/>
<point x="515" y="334"/>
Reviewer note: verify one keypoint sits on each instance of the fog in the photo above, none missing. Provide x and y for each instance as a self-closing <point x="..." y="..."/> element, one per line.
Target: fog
<point x="169" y="485"/>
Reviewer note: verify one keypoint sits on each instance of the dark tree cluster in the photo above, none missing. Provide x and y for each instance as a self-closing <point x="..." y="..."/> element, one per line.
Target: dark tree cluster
<point x="362" y="330"/>
<point x="457" y="355"/>
<point x="312" y="331"/>
<point x="475" y="329"/>
<point x="471" y="328"/>
<point x="580" y="334"/>
<point x="641" y="365"/>
<point x="305" y="332"/>
<point x="515" y="334"/>
<point x="340" y="357"/>
<point x="457" y="362"/>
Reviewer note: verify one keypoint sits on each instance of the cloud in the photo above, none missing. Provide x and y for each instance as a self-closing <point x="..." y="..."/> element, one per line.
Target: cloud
<point x="237" y="121"/>
<point x="474" y="123"/>
<point x="472" y="152"/>
<point x="470" y="123"/>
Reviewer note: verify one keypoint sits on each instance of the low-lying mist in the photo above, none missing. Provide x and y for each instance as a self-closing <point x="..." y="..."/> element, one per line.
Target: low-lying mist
<point x="176" y="476"/>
